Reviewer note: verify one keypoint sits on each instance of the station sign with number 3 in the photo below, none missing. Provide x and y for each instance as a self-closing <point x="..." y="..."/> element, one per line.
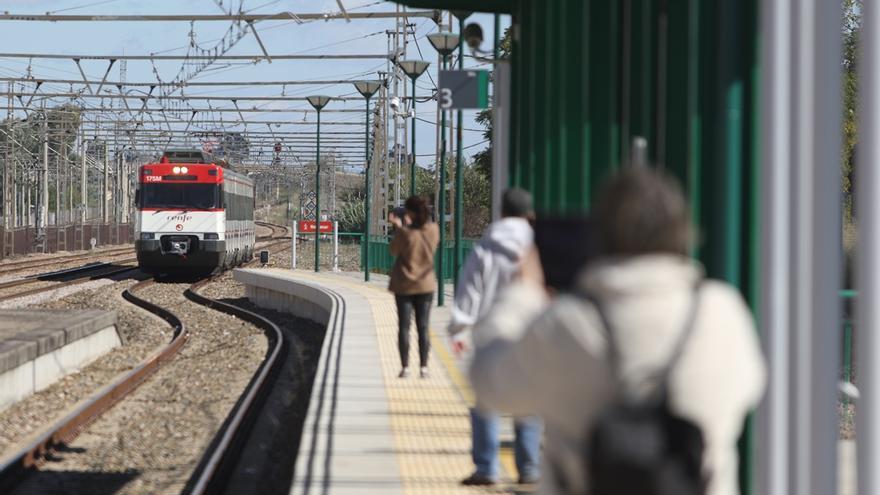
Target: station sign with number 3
<point x="460" y="89"/>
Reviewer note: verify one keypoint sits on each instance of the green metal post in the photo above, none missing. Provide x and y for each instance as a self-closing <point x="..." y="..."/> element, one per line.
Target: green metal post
<point x="412" y="166"/>
<point x="367" y="202"/>
<point x="441" y="216"/>
<point x="496" y="48"/>
<point x="753" y="261"/>
<point x="459" y="170"/>
<point x="318" y="197"/>
<point x="847" y="295"/>
<point x="847" y="352"/>
<point x="695" y="116"/>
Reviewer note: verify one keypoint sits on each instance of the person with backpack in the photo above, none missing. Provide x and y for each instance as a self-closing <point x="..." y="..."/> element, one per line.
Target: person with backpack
<point x="412" y="279"/>
<point x="491" y="265"/>
<point x="643" y="372"/>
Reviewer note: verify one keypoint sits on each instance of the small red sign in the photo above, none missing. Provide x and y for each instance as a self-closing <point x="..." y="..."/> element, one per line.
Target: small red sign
<point x="306" y="226"/>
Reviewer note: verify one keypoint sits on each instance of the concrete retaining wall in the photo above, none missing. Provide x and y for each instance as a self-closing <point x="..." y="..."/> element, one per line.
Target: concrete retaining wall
<point x="278" y="291"/>
<point x="38" y="372"/>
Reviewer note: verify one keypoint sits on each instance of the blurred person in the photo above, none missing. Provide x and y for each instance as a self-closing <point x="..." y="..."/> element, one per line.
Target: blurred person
<point x="412" y="278"/>
<point x="646" y="299"/>
<point x="491" y="265"/>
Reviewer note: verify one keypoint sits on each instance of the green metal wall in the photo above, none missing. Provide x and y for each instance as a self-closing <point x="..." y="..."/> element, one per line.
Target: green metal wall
<point x="589" y="76"/>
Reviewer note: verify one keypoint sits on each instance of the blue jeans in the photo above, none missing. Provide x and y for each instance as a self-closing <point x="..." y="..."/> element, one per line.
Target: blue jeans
<point x="527" y="446"/>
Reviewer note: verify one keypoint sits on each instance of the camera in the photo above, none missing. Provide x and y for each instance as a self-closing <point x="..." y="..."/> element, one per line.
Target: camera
<point x="395" y="104"/>
<point x="399" y="212"/>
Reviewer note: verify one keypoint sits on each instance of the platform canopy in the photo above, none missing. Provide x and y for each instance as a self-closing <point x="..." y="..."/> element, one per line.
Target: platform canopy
<point x="495" y="6"/>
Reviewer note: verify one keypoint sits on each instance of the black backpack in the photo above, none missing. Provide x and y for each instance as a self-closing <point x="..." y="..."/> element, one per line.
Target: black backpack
<point x="642" y="447"/>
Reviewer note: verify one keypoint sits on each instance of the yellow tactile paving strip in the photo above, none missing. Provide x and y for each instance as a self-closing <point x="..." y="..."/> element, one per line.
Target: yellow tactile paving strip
<point x="429" y="417"/>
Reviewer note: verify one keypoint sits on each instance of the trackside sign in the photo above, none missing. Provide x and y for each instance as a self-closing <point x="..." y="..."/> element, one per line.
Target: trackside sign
<point x="459" y="89"/>
<point x="306" y="226"/>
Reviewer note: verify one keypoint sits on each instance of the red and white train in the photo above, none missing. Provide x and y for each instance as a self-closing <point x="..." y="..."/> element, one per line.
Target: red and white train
<point x="192" y="215"/>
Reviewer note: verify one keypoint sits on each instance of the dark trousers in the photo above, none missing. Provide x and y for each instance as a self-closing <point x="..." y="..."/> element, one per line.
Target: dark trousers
<point x="405" y="305"/>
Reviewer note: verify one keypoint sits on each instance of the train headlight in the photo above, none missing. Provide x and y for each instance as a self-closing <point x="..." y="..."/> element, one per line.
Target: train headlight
<point x="147" y="236"/>
<point x="212" y="236"/>
<point x="176" y="170"/>
<point x="184" y="170"/>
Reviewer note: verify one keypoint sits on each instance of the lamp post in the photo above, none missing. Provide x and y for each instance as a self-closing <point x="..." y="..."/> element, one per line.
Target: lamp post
<point x="413" y="69"/>
<point x="459" y="164"/>
<point x="318" y="102"/>
<point x="445" y="44"/>
<point x="367" y="89"/>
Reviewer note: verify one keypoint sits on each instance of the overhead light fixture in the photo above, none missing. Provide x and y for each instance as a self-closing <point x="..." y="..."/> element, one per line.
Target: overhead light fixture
<point x="444" y="43"/>
<point x="413" y="68"/>
<point x="318" y="101"/>
<point x="368" y="88"/>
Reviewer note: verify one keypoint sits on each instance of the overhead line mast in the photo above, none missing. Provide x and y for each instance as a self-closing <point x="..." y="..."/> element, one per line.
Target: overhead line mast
<point x="280" y="16"/>
<point x="181" y="84"/>
<point x="134" y="96"/>
<point x="254" y="57"/>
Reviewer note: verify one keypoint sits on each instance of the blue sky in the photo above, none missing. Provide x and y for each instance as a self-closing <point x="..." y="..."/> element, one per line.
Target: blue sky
<point x="280" y="37"/>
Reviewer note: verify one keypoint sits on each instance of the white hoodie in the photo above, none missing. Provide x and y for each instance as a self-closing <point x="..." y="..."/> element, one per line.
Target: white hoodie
<point x="551" y="360"/>
<point x="492" y="264"/>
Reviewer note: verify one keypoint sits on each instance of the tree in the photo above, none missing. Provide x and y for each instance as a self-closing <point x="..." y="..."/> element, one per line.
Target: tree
<point x="477" y="200"/>
<point x="852" y="23"/>
<point x="425" y="183"/>
<point x="351" y="213"/>
<point x="476" y="195"/>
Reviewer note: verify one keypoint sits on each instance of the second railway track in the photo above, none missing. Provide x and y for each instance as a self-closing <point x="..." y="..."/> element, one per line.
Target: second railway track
<point x="46" y="282"/>
<point x="277" y="231"/>
<point x="51" y="281"/>
<point x="26" y="264"/>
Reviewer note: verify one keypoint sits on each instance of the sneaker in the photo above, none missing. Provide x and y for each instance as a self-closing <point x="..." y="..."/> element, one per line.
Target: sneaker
<point x="423" y="372"/>
<point x="477" y="479"/>
<point x="403" y="373"/>
<point x="529" y="480"/>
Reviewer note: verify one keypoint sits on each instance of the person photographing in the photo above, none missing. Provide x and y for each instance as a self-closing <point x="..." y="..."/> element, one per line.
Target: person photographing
<point x="413" y="281"/>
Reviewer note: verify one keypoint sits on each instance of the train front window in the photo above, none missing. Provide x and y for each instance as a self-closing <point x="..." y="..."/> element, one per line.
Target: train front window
<point x="180" y="196"/>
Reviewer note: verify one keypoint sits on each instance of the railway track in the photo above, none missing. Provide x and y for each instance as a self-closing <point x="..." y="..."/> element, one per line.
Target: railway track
<point x="82" y="274"/>
<point x="14" y="266"/>
<point x="226" y="446"/>
<point x="63" y="278"/>
<point x="278" y="231"/>
<point x="225" y="449"/>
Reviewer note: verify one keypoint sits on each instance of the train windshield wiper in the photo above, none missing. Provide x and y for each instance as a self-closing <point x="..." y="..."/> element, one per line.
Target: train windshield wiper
<point x="160" y="209"/>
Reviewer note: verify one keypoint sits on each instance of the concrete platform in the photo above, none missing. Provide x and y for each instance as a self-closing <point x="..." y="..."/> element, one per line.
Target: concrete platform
<point x="368" y="431"/>
<point x="38" y="347"/>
